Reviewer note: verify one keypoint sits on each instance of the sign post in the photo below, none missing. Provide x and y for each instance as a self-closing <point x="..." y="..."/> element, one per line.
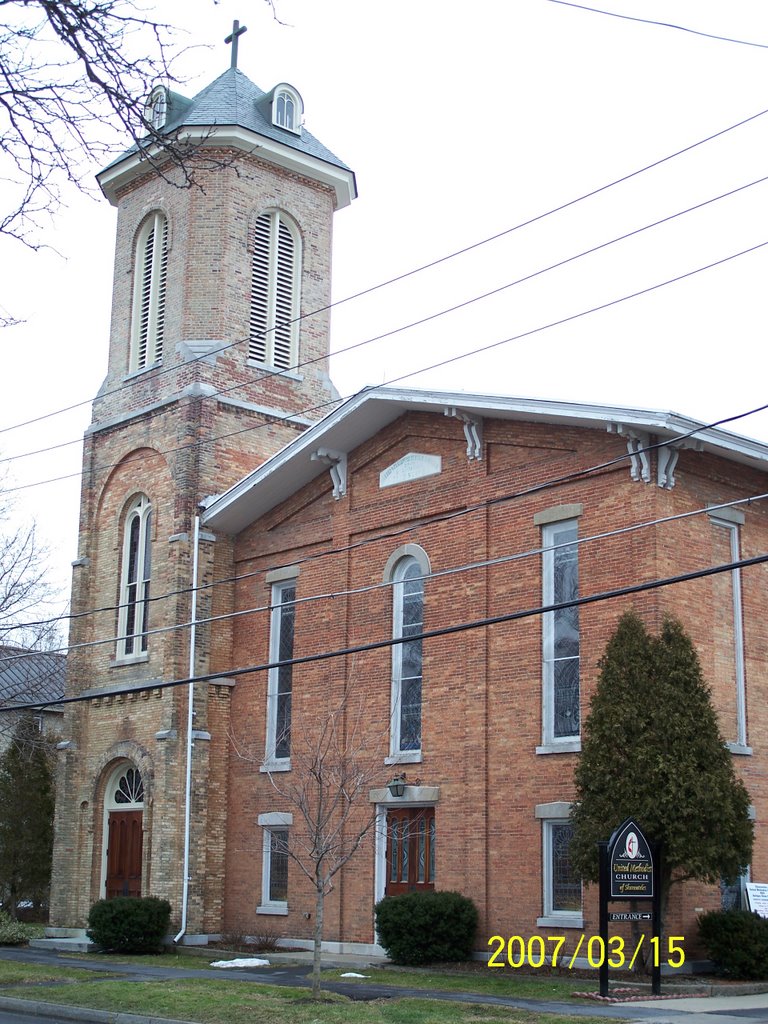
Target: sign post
<point x="630" y="869"/>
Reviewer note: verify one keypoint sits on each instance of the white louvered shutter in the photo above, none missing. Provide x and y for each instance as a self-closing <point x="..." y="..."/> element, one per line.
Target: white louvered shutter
<point x="274" y="293"/>
<point x="257" y="348"/>
<point x="150" y="291"/>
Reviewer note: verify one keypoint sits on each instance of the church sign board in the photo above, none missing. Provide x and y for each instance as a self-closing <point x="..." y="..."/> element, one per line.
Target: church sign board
<point x="631" y="863"/>
<point x="757" y="894"/>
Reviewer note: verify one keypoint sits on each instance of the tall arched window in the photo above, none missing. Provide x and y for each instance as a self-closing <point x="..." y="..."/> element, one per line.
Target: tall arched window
<point x="276" y="271"/>
<point x="133" y="619"/>
<point x="149" y="282"/>
<point x="407" y="575"/>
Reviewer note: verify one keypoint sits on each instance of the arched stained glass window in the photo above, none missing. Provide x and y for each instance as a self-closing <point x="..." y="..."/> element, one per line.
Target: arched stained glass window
<point x="133" y="617"/>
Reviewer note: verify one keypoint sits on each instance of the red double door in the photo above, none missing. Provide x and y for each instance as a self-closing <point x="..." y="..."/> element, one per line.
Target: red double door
<point x="124" y="854"/>
<point x="410" y="850"/>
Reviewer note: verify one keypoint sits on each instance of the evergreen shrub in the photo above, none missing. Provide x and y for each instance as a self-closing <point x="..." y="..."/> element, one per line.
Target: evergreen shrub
<point x="129" y="924"/>
<point x="737" y="942"/>
<point x="426" y="927"/>
<point x="12" y="933"/>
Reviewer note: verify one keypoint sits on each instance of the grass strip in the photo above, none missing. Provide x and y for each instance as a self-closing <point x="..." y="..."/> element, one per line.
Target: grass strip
<point x="492" y="982"/>
<point x="15" y="973"/>
<point x="222" y="1002"/>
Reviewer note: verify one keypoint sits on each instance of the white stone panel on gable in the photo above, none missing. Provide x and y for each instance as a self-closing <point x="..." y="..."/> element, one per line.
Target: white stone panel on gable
<point x="412" y="466"/>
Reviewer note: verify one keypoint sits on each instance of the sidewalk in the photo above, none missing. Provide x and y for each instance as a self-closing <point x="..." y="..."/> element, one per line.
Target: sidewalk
<point x="292" y="969"/>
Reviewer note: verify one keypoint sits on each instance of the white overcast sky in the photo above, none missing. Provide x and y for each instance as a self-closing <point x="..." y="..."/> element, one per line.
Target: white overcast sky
<point x="462" y="120"/>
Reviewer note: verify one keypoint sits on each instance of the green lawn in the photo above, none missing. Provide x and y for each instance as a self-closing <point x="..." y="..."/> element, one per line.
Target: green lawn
<point x="30" y="974"/>
<point x="221" y="1002"/>
<point x="489" y="982"/>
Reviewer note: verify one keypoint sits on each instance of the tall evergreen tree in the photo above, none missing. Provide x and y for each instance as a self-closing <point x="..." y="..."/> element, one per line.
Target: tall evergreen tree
<point x="26" y="817"/>
<point x="652" y="750"/>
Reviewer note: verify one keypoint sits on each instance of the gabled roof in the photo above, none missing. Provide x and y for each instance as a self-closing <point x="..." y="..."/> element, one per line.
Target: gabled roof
<point x="234" y="111"/>
<point x="372" y="409"/>
<point x="30" y="675"/>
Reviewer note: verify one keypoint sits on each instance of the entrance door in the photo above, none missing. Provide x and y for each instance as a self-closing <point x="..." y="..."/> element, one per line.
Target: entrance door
<point x="410" y="850"/>
<point x="124" y="854"/>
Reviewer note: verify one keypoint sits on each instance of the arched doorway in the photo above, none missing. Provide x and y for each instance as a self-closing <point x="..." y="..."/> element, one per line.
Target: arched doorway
<point x="123" y="833"/>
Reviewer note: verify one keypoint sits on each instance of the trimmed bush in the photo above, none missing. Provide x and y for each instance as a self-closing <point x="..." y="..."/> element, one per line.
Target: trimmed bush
<point x="426" y="927"/>
<point x="13" y="933"/>
<point x="737" y="941"/>
<point x="129" y="924"/>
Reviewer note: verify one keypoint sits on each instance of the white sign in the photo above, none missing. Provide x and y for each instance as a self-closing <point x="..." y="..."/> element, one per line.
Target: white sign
<point x="412" y="466"/>
<point x="757" y="893"/>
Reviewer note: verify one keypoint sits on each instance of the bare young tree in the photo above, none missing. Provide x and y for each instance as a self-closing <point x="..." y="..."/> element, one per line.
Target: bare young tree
<point x="334" y="763"/>
<point x="30" y="671"/>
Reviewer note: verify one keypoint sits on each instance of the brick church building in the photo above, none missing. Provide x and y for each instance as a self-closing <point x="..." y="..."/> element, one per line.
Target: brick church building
<point x="236" y="514"/>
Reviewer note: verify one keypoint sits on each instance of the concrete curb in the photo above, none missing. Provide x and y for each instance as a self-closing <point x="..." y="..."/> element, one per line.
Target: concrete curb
<point x="36" y="1008"/>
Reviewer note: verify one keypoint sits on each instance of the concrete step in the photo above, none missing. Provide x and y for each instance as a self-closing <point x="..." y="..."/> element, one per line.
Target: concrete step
<point x="64" y="945"/>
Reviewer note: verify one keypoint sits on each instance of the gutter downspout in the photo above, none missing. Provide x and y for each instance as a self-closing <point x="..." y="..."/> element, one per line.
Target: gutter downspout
<point x="190" y="724"/>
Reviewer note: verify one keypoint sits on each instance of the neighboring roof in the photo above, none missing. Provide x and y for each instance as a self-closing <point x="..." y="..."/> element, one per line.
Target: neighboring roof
<point x="31" y="675"/>
<point x="368" y="412"/>
<point x="232" y="101"/>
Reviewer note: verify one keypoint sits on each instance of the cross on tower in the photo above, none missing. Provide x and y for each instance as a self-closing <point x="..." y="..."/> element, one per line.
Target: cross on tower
<point x="236" y="31"/>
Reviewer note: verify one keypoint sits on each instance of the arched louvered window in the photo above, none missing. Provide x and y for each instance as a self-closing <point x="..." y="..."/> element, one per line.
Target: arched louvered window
<point x="149" y="283"/>
<point x="133" y="618"/>
<point x="274" y="331"/>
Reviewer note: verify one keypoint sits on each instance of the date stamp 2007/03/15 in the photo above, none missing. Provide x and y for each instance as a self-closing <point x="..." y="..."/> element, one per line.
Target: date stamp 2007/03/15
<point x="538" y="951"/>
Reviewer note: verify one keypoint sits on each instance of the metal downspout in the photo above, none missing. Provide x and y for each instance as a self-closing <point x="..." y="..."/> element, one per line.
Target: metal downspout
<point x="190" y="725"/>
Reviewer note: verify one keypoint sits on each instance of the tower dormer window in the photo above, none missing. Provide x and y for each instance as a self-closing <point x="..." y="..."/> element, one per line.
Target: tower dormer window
<point x="150" y="266"/>
<point x="287" y="108"/>
<point x="156" y="109"/>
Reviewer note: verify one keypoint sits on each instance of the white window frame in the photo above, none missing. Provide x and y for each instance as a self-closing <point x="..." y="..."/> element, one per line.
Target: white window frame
<point x="271" y="822"/>
<point x="278" y="603"/>
<point x="553" y="525"/>
<point x="150" y="273"/>
<point x="140" y="511"/>
<point x="406" y="556"/>
<point x="552" y="815"/>
<point x="288" y="95"/>
<point x="731" y="520"/>
<point x="156" y="108"/>
<point x="275" y="302"/>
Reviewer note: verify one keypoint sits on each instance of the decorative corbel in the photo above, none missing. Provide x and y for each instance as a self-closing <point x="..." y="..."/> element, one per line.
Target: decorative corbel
<point x="667" y="460"/>
<point x="473" y="431"/>
<point x="637" y="448"/>
<point x="337" y="463"/>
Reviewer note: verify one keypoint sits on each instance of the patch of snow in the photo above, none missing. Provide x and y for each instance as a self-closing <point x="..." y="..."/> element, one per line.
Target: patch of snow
<point x="353" y="974"/>
<point x="242" y="962"/>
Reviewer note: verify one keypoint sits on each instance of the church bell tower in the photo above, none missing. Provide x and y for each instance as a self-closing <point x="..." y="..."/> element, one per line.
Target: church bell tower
<point x="218" y="356"/>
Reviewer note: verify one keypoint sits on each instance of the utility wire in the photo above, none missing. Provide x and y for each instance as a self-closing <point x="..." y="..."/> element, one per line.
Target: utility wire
<point x="432" y="316"/>
<point x="661" y="24"/>
<point x="413" y="373"/>
<point x="356" y="591"/>
<point x="462" y="627"/>
<point x="551" y="483"/>
<point x="410" y="273"/>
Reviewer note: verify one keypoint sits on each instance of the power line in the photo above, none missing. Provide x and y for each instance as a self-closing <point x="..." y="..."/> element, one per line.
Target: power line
<point x="432" y="316"/>
<point x="551" y="483"/>
<point x="462" y="627"/>
<point x="661" y="24"/>
<point x="409" y="273"/>
<point x="333" y="595"/>
<point x="413" y="373"/>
